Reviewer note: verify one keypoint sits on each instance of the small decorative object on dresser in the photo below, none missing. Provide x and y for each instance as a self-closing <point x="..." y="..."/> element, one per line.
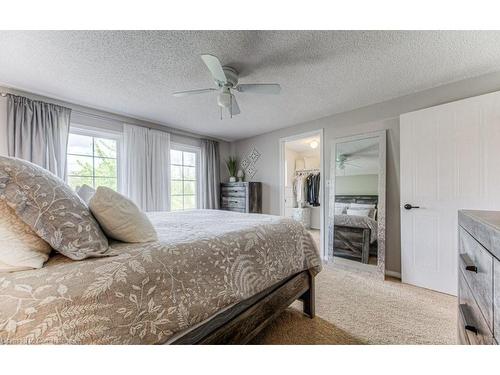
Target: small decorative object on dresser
<point x="241" y="197"/>
<point x="478" y="277"/>
<point x="232" y="166"/>
<point x="240" y="175"/>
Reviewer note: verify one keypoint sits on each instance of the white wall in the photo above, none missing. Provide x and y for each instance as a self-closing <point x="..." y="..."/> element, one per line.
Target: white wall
<point x="382" y="116"/>
<point x="362" y="184"/>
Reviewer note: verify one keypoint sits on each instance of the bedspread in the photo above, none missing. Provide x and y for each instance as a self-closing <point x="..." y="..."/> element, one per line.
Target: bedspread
<point x="204" y="261"/>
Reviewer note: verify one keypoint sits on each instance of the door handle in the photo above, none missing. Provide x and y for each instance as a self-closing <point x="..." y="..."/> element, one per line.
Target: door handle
<point x="408" y="206"/>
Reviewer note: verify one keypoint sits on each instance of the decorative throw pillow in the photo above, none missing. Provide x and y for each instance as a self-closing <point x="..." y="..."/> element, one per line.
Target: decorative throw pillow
<point x="358" y="212"/>
<point x="51" y="209"/>
<point x="86" y="193"/>
<point x="341" y="208"/>
<point x="120" y="218"/>
<point x="364" y="206"/>
<point x="20" y="248"/>
<point x="361" y="205"/>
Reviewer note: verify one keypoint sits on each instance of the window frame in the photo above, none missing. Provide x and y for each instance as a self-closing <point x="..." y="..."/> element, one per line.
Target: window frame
<point x="186" y="148"/>
<point x="89" y="131"/>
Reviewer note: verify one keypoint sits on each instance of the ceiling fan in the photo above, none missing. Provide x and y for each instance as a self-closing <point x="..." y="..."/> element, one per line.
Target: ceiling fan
<point x="226" y="79"/>
<point x="345" y="159"/>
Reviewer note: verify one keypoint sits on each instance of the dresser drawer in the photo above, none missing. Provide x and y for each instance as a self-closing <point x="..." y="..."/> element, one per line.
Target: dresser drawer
<point x="233" y="191"/>
<point x="233" y="202"/>
<point x="470" y="317"/>
<point x="462" y="335"/>
<point x="476" y="265"/>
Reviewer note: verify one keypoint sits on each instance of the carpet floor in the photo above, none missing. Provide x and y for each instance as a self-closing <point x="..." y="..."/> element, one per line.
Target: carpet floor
<point x="355" y="308"/>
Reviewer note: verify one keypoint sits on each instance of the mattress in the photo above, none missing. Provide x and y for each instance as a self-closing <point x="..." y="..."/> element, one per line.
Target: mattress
<point x="204" y="262"/>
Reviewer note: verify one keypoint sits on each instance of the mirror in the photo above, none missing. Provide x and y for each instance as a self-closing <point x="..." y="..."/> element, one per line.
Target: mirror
<point x="356" y="219"/>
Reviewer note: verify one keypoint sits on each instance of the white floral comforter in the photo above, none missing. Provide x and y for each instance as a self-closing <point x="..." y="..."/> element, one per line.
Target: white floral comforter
<point x="205" y="261"/>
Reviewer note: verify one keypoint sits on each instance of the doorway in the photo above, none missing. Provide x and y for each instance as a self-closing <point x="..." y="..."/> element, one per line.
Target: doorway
<point x="302" y="182"/>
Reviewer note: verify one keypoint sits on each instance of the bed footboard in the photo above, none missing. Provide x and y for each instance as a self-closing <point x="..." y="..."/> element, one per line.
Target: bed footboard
<point x="241" y="323"/>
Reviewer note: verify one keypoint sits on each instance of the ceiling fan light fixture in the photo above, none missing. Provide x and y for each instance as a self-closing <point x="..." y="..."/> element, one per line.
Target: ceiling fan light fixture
<point x="224" y="100"/>
<point x="314" y="144"/>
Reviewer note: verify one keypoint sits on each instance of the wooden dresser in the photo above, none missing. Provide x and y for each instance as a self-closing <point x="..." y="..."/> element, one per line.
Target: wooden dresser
<point x="479" y="277"/>
<point x="241" y="197"/>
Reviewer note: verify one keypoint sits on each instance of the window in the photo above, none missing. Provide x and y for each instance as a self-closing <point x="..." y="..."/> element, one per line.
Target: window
<point x="93" y="159"/>
<point x="184" y="180"/>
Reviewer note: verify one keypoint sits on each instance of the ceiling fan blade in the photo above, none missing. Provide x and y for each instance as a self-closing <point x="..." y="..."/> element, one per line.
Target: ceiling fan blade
<point x="260" y="88"/>
<point x="213" y="64"/>
<point x="234" y="109"/>
<point x="192" y="92"/>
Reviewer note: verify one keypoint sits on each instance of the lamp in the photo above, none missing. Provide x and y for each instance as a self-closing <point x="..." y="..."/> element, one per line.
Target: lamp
<point x="314" y="144"/>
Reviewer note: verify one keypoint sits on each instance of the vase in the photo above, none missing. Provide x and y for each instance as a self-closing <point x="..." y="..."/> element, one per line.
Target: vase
<point x="232" y="179"/>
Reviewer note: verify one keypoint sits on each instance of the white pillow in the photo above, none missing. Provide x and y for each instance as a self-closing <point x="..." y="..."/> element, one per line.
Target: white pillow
<point x="86" y="193"/>
<point x="361" y="205"/>
<point x="20" y="247"/>
<point x="339" y="210"/>
<point x="120" y="218"/>
<point x="341" y="207"/>
<point x="358" y="212"/>
<point x="371" y="207"/>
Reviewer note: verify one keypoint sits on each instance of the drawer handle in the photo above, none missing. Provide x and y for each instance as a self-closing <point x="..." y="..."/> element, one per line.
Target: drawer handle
<point x="469" y="326"/>
<point x="469" y="264"/>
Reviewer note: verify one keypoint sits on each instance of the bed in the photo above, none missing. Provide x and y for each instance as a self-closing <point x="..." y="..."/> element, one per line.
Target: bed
<point x="213" y="277"/>
<point x="355" y="237"/>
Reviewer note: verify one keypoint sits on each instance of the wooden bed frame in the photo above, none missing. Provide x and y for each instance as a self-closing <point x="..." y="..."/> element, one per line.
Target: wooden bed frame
<point x="350" y="242"/>
<point x="242" y="322"/>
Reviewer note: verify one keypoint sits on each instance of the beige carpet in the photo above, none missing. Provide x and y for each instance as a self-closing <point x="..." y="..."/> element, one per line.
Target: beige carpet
<point x="355" y="308"/>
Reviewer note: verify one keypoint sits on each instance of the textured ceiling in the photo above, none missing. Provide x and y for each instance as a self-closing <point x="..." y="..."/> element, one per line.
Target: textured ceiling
<point x="321" y="73"/>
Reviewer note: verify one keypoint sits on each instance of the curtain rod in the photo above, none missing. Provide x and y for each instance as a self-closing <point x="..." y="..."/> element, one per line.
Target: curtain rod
<point x="108" y="118"/>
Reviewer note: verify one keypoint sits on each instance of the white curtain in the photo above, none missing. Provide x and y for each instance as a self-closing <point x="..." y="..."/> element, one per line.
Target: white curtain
<point x="146" y="167"/>
<point x="210" y="177"/>
<point x="38" y="132"/>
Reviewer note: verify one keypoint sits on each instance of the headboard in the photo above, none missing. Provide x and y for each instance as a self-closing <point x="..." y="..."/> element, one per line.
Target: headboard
<point x="364" y="199"/>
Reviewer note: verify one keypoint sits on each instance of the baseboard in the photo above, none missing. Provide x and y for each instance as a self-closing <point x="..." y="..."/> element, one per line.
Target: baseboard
<point x="394" y="274"/>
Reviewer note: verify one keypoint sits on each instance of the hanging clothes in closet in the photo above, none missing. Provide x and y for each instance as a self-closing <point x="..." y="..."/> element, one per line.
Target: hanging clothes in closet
<point x="313" y="184"/>
<point x="306" y="188"/>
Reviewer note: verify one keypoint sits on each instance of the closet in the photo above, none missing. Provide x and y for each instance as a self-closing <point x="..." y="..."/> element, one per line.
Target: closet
<point x="302" y="182"/>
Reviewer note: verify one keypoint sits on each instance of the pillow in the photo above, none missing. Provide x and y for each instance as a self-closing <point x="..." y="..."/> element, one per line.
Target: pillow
<point x="20" y="248"/>
<point x="85" y="192"/>
<point x="358" y="212"/>
<point x="371" y="207"/>
<point x="362" y="205"/>
<point x="342" y="207"/>
<point x="120" y="218"/>
<point x="51" y="209"/>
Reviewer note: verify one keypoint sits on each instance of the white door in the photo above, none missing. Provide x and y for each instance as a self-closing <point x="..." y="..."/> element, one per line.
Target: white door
<point x="450" y="160"/>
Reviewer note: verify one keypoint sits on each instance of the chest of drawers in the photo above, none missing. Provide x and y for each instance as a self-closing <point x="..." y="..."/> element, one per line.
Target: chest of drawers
<point x="241" y="197"/>
<point x="478" y="277"/>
